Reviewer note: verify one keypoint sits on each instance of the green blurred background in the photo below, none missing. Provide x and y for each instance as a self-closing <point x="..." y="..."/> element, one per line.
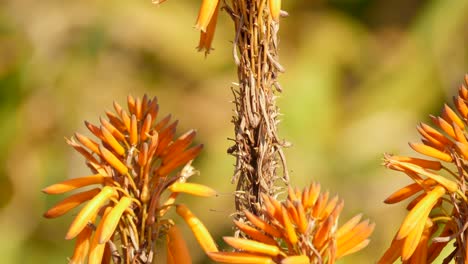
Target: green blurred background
<point x="360" y="75"/>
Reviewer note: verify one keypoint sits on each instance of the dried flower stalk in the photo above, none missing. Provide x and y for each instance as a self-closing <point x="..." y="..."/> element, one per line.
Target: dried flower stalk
<point x="258" y="149"/>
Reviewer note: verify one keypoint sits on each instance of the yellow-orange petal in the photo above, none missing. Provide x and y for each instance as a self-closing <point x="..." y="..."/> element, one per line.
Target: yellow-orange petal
<point x="392" y="253"/>
<point x="192" y="188"/>
<point x="145" y="128"/>
<point x="75" y="183"/>
<point x="254" y="233"/>
<point x="444" y="125"/>
<point x="207" y="9"/>
<point x="252" y="246"/>
<point x="89" y="211"/>
<point x="111" y="128"/>
<point x="461" y="106"/>
<point x="206" y="37"/>
<point x="289" y="228"/>
<point x="275" y="8"/>
<point x="113" y="160"/>
<point x="96" y="249"/>
<point x="133" y="130"/>
<point x="262" y="225"/>
<point x="413" y="239"/>
<point x="435" y="134"/>
<point x="348" y="226"/>
<point x="431" y="152"/>
<point x="462" y="149"/>
<point x="182" y="159"/>
<point x="71" y="202"/>
<point x="176" y="246"/>
<point x="448" y="184"/>
<point x="203" y="236"/>
<point x="82" y="243"/>
<point x="420" y="211"/>
<point x="403" y="193"/>
<point x="451" y="117"/>
<point x="112" y="220"/>
<point x="300" y="259"/>
<point x="302" y="223"/>
<point x="427" y="164"/>
<point x="239" y="258"/>
<point x="87" y="142"/>
<point x="459" y="134"/>
<point x="112" y="141"/>
<point x="354" y="240"/>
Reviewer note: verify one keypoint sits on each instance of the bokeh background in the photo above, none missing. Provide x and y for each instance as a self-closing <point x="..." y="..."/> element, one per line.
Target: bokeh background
<point x="360" y="75"/>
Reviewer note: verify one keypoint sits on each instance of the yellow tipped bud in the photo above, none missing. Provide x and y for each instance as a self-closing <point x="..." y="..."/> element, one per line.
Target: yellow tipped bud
<point x="176" y="247"/>
<point x="192" y="188"/>
<point x="112" y="141"/>
<point x="290" y="231"/>
<point x="207" y="9"/>
<point x="75" y="183"/>
<point x="112" y="220"/>
<point x="420" y="211"/>
<point x="239" y="257"/>
<point x="275" y="9"/>
<point x="81" y="246"/>
<point x="302" y="259"/>
<point x="202" y="234"/>
<point x="96" y="249"/>
<point x="252" y="246"/>
<point x="431" y="152"/>
<point x="71" y="202"/>
<point x="113" y="160"/>
<point x="89" y="211"/>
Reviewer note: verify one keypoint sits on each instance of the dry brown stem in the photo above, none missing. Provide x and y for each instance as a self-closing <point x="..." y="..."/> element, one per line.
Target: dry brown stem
<point x="258" y="149"/>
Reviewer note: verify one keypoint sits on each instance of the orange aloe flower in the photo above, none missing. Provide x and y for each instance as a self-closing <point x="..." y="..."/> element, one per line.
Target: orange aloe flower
<point x="208" y="17"/>
<point x="438" y="211"/>
<point x="138" y="170"/>
<point x="302" y="229"/>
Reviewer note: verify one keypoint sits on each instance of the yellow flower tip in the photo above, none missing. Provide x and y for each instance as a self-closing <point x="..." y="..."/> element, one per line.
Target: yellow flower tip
<point x="89" y="212"/>
<point x="113" y="160"/>
<point x="252" y="246"/>
<point x="206" y="36"/>
<point x="275" y="9"/>
<point x="192" y="188"/>
<point x="431" y="152"/>
<point x="112" y="220"/>
<point x="81" y="246"/>
<point x="403" y="193"/>
<point x="207" y="9"/>
<point x="71" y="202"/>
<point x="254" y="233"/>
<point x="201" y="233"/>
<point x="96" y="249"/>
<point x="176" y="247"/>
<point x="239" y="257"/>
<point x="75" y="183"/>
<point x="300" y="259"/>
<point x="418" y="215"/>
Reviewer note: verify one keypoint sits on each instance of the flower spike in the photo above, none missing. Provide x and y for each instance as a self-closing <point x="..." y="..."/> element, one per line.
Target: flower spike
<point x="136" y="179"/>
<point x="415" y="241"/>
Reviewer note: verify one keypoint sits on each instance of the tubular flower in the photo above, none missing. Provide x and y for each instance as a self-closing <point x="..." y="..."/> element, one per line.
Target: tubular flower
<point x="139" y="169"/>
<point x="208" y="17"/>
<point x="438" y="210"/>
<point x="302" y="229"/>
